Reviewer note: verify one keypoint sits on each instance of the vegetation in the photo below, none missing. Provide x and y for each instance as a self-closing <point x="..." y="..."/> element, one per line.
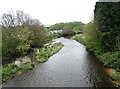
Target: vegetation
<point x="50" y="36"/>
<point x="102" y="36"/>
<point x="11" y="70"/>
<point x="43" y="54"/>
<point x="67" y="31"/>
<point x="115" y="76"/>
<point x="19" y="34"/>
<point x="75" y="26"/>
<point x="57" y="26"/>
<point x="109" y="33"/>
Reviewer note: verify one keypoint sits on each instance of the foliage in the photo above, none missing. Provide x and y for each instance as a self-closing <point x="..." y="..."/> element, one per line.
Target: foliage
<point x="50" y="36"/>
<point x="57" y="26"/>
<point x="107" y="18"/>
<point x="37" y="34"/>
<point x="46" y="52"/>
<point x="18" y="37"/>
<point x="111" y="59"/>
<point x="79" y="38"/>
<point x="91" y="40"/>
<point x="75" y="26"/>
<point x="21" y="35"/>
<point x="115" y="76"/>
<point x="102" y="36"/>
<point x="0" y="44"/>
<point x="10" y="70"/>
<point x="67" y="31"/>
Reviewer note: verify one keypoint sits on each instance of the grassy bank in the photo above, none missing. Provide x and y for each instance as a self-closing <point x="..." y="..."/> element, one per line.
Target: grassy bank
<point x="109" y="59"/>
<point x="11" y="70"/>
<point x="24" y="64"/>
<point x="43" y="54"/>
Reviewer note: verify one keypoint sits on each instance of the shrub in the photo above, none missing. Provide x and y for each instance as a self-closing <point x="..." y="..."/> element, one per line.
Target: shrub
<point x="18" y="37"/>
<point x="67" y="31"/>
<point x="37" y="35"/>
<point x="111" y="59"/>
<point x="108" y="27"/>
<point x="115" y="76"/>
<point x="10" y="70"/>
<point x="48" y="51"/>
<point x="50" y="36"/>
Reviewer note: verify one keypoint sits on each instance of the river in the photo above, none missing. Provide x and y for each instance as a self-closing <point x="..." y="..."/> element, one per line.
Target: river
<point x="72" y="66"/>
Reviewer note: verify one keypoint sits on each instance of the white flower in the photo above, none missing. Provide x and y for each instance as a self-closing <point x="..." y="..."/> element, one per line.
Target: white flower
<point x="18" y="63"/>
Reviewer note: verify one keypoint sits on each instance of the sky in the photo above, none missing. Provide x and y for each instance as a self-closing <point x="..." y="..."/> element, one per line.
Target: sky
<point x="52" y="11"/>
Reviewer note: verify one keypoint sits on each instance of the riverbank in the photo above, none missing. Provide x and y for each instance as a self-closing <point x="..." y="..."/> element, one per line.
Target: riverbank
<point x="24" y="64"/>
<point x="110" y="60"/>
<point x="72" y="66"/>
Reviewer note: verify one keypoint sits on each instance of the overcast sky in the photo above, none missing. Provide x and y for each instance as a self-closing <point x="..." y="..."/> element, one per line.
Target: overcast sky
<point x="52" y="11"/>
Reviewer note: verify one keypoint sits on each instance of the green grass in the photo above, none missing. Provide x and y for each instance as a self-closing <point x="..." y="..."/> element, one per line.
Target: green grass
<point x="115" y="76"/>
<point x="46" y="52"/>
<point x="79" y="38"/>
<point x="109" y="59"/>
<point x="11" y="70"/>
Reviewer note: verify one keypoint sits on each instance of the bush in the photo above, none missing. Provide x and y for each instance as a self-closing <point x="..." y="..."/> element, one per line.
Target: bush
<point x="18" y="37"/>
<point x="108" y="27"/>
<point x="15" y="41"/>
<point x="111" y="59"/>
<point x="46" y="52"/>
<point x="50" y="36"/>
<point x="57" y="26"/>
<point x="67" y="31"/>
<point x="115" y="76"/>
<point x="79" y="38"/>
<point x="10" y="70"/>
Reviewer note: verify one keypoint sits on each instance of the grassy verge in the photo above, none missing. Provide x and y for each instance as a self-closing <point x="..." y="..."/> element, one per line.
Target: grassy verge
<point x="48" y="51"/>
<point x="114" y="75"/>
<point x="11" y="70"/>
<point x="109" y="59"/>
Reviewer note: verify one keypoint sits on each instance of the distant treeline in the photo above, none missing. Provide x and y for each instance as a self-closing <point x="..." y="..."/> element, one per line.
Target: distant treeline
<point x="60" y="26"/>
<point x="68" y="28"/>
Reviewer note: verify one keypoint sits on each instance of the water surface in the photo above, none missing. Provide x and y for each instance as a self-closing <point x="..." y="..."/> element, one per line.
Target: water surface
<point x="72" y="66"/>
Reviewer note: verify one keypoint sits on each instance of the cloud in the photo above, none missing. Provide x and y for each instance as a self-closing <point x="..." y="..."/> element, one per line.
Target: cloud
<point x="52" y="11"/>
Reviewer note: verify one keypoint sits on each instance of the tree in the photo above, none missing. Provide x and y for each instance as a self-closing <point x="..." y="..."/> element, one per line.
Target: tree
<point x="67" y="31"/>
<point x="107" y="16"/>
<point x="19" y="33"/>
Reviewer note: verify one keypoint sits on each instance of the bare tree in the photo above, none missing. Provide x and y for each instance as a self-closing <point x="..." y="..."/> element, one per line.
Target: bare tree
<point x="15" y="18"/>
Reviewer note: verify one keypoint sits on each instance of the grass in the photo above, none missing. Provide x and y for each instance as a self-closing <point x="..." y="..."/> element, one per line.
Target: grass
<point x="115" y="76"/>
<point x="109" y="59"/>
<point x="11" y="70"/>
<point x="79" y="38"/>
<point x="46" y="52"/>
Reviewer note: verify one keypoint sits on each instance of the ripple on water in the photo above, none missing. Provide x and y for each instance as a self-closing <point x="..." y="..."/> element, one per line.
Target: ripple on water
<point x="72" y="66"/>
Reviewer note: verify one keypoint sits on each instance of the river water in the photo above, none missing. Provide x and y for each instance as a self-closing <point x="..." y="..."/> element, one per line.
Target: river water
<point x="72" y="66"/>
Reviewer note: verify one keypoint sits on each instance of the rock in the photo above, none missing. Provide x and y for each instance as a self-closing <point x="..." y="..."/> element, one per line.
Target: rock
<point x="25" y="60"/>
<point x="21" y="61"/>
<point x="18" y="63"/>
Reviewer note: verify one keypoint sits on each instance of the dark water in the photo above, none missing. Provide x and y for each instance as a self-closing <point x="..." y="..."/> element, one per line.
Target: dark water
<point x="72" y="66"/>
